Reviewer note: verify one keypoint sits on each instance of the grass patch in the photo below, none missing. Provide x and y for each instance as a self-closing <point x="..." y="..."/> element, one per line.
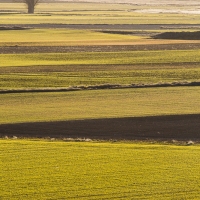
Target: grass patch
<point x="33" y="107"/>
<point x="53" y="37"/>
<point x="66" y="170"/>
<point x="66" y="76"/>
<point x="94" y="58"/>
<point x="68" y="37"/>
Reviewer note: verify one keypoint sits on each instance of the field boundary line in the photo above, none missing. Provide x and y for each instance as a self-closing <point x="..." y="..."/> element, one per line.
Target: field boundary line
<point x="101" y="87"/>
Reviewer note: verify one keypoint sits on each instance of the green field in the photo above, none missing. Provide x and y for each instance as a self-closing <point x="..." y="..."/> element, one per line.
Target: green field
<point x="67" y="76"/>
<point x="66" y="170"/>
<point x="62" y="37"/>
<point x="95" y="58"/>
<point x="41" y="70"/>
<point x="31" y="107"/>
<point x="60" y="70"/>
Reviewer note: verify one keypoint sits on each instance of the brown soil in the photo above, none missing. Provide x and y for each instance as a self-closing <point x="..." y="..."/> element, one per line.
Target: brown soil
<point x="12" y="28"/>
<point x="179" y="35"/>
<point x="178" y="127"/>
<point x="96" y="48"/>
<point x="126" y="27"/>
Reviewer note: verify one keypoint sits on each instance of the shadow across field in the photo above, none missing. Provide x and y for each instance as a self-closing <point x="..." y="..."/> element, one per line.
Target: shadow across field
<point x="179" y="127"/>
<point x="179" y="35"/>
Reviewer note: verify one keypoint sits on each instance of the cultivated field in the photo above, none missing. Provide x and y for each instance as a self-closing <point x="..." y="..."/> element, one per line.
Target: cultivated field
<point x="96" y="73"/>
<point x="68" y="170"/>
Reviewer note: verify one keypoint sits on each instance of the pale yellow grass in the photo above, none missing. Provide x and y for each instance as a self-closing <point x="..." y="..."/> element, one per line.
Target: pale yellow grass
<point x="63" y="37"/>
<point x="67" y="37"/>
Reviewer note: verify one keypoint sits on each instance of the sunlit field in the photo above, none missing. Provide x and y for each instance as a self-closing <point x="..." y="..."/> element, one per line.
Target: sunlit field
<point x="40" y="70"/>
<point x="94" y="58"/>
<point x="69" y="37"/>
<point x="30" y="107"/>
<point x="37" y="77"/>
<point x="66" y="170"/>
<point x="63" y="37"/>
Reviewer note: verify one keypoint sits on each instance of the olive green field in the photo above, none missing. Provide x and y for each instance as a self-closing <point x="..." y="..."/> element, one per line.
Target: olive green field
<point x="96" y="104"/>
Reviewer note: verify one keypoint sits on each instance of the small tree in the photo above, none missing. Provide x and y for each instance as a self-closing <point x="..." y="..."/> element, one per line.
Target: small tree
<point x="31" y="5"/>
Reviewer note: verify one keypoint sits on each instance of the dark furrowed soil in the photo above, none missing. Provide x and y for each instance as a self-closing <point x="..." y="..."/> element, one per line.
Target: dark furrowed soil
<point x="95" y="48"/>
<point x="178" y="35"/>
<point x="178" y="127"/>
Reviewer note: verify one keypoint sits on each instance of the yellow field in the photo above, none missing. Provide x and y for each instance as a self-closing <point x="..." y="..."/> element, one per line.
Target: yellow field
<point x="66" y="170"/>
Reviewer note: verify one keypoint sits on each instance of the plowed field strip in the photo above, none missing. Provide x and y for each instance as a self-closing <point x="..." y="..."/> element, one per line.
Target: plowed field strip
<point x="98" y="48"/>
<point x="179" y="127"/>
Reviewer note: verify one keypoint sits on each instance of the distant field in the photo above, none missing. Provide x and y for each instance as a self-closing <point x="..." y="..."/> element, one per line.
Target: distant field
<point x="94" y="58"/>
<point x="70" y="37"/>
<point x="53" y="37"/>
<point x="84" y="13"/>
<point x="90" y="18"/>
<point x="66" y="76"/>
<point x="66" y="170"/>
<point x="32" y="107"/>
<point x="93" y="68"/>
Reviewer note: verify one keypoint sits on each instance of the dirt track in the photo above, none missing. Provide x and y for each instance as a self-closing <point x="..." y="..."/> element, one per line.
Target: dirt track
<point x="180" y="127"/>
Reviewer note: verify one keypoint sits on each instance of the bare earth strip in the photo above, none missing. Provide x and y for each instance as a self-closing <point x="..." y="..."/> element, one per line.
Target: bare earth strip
<point x="108" y="26"/>
<point x="96" y="48"/>
<point x="179" y="127"/>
